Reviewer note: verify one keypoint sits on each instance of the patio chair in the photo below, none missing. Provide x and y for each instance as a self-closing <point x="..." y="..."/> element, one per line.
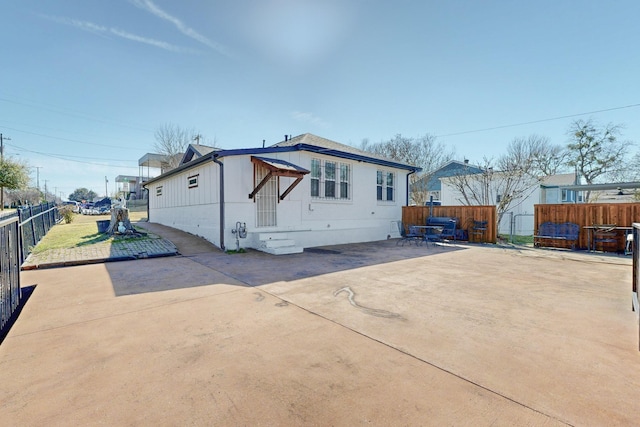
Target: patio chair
<point x="410" y="235"/>
<point x="478" y="231"/>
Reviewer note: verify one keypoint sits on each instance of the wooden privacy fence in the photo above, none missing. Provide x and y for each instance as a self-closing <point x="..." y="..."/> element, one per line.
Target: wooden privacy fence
<point x="588" y="214"/>
<point x="465" y="215"/>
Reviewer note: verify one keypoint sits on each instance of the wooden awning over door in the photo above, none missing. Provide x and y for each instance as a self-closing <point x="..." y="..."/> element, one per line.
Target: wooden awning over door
<point x="277" y="168"/>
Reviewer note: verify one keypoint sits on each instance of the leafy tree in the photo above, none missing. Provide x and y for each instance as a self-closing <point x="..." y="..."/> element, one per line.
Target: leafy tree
<point x="595" y="151"/>
<point x="14" y="175"/>
<point x="172" y="142"/>
<point x="81" y="194"/>
<point x="422" y="151"/>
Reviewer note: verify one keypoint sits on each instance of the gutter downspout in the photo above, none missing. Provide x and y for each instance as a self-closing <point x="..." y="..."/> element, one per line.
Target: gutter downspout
<point x="408" y="190"/>
<point x="214" y="157"/>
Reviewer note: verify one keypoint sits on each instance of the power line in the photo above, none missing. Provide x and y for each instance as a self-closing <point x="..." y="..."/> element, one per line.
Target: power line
<point x="71" y="140"/>
<point x="62" y="155"/>
<point x="538" y="121"/>
<point x="76" y="114"/>
<point x="69" y="159"/>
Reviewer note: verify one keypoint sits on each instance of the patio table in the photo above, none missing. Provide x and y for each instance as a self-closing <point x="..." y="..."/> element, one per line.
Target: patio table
<point x="425" y="230"/>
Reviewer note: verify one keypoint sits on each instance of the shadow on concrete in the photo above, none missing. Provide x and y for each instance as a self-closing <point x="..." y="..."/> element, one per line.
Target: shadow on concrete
<point x="255" y="268"/>
<point x="24" y="297"/>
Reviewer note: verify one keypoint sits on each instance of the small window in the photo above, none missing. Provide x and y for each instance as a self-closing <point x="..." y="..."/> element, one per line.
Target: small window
<point x="159" y="190"/>
<point x="193" y="181"/>
<point x="385" y="186"/>
<point x="568" y="195"/>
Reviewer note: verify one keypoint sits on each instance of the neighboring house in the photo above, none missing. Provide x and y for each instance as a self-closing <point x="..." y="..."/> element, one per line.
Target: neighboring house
<point x="518" y="218"/>
<point x="621" y="192"/>
<point x="129" y="187"/>
<point x="430" y="185"/>
<point x="303" y="192"/>
<point x="553" y="189"/>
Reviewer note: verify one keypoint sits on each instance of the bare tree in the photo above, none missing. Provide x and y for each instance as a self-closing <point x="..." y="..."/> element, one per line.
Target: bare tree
<point x="172" y="142"/>
<point x="537" y="153"/>
<point x="505" y="183"/>
<point x="24" y="196"/>
<point x="422" y="151"/>
<point x="595" y="151"/>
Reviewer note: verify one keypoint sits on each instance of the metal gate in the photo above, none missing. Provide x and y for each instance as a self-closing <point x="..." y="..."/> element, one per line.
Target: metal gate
<point x="266" y="199"/>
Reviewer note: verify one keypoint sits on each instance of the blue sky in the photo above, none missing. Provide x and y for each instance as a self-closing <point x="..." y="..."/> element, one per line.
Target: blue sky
<point x="85" y="83"/>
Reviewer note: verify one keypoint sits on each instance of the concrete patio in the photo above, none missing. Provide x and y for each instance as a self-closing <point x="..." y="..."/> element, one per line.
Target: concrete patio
<point x="356" y="334"/>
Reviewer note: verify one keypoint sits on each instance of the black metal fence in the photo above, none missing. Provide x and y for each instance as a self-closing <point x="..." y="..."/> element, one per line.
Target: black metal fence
<point x="9" y="268"/>
<point x="35" y="223"/>
<point x="19" y="233"/>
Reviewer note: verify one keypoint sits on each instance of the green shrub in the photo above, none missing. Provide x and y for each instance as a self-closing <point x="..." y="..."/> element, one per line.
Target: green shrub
<point x="67" y="213"/>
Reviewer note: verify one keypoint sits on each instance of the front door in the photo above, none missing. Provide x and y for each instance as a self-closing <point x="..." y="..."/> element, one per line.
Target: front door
<point x="266" y="199"/>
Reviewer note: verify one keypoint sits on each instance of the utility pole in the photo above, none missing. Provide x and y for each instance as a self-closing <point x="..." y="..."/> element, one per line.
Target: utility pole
<point x="38" y="176"/>
<point x="45" y="190"/>
<point x="2" y="159"/>
<point x="2" y="145"/>
<point x="106" y="191"/>
<point x="197" y="139"/>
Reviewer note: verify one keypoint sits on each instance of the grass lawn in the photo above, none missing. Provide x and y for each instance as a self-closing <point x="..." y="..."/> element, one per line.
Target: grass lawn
<point x="82" y="231"/>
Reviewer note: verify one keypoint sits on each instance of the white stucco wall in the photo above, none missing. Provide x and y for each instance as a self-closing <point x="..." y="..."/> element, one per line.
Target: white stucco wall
<point x="306" y="220"/>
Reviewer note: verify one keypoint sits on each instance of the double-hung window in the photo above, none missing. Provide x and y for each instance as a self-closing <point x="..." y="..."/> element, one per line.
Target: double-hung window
<point x="385" y="186"/>
<point x="330" y="179"/>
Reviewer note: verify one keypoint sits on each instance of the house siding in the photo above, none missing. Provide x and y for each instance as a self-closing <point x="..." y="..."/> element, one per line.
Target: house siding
<point x="194" y="210"/>
<point x="307" y="220"/>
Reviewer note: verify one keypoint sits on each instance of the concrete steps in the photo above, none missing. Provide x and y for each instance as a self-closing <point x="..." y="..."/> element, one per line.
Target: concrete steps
<point x="278" y="244"/>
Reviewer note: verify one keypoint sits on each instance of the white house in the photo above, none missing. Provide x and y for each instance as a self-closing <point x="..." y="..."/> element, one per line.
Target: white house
<point x="519" y="218"/>
<point x="303" y="192"/>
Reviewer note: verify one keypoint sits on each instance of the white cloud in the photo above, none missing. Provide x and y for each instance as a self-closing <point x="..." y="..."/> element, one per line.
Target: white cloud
<point x="105" y="31"/>
<point x="152" y="42"/>
<point x="308" y="118"/>
<point x="152" y="8"/>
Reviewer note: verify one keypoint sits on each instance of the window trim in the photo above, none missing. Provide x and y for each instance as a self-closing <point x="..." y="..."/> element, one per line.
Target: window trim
<point x="192" y="181"/>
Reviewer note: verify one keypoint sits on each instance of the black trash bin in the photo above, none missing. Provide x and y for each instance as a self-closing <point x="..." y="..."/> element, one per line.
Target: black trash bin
<point x="103" y="225"/>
